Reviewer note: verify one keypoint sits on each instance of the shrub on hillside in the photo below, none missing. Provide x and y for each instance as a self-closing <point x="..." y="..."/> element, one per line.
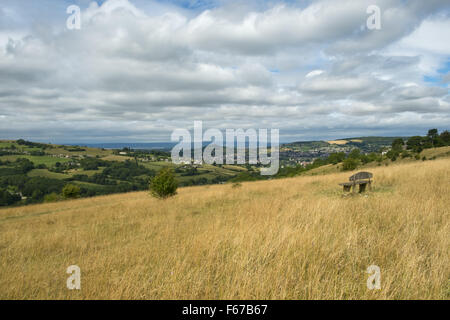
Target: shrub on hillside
<point x="71" y="191"/>
<point x="7" y="199"/>
<point x="164" y="185"/>
<point x="52" y="197"/>
<point x="236" y="185"/>
<point x="350" y="164"/>
<point x="405" y="154"/>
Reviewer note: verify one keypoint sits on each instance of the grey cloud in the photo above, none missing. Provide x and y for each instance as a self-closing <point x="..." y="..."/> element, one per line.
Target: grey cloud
<point x="129" y="74"/>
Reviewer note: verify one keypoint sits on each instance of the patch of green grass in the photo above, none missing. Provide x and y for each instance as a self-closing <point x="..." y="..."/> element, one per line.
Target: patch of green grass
<point x="47" y="174"/>
<point x="8" y="144"/>
<point x="113" y="157"/>
<point x="47" y="160"/>
<point x="156" y="165"/>
<point x="5" y="144"/>
<point x="88" y="185"/>
<point x="233" y="168"/>
<point x="89" y="173"/>
<point x="92" y="152"/>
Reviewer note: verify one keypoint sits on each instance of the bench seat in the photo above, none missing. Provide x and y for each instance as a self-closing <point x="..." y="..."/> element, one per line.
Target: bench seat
<point x="354" y="183"/>
<point x="361" y="179"/>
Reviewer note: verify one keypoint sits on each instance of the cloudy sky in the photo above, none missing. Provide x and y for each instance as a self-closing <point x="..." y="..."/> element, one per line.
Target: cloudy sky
<point x="137" y="70"/>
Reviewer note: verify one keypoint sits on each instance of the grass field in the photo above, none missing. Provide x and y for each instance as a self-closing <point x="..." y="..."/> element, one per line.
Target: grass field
<point x="5" y="144"/>
<point x="339" y="142"/>
<point x="442" y="152"/>
<point x="436" y="152"/>
<point x="113" y="157"/>
<point x="48" y="174"/>
<point x="295" y="238"/>
<point x="93" y="152"/>
<point x="47" y="160"/>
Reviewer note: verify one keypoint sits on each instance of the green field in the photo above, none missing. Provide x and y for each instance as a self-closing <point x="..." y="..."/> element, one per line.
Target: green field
<point x="5" y="144"/>
<point x="157" y="165"/>
<point x="47" y="174"/>
<point x="92" y="152"/>
<point x="37" y="160"/>
<point x="88" y="185"/>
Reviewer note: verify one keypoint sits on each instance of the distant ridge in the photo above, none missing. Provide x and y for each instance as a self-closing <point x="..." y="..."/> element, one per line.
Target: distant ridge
<point x="121" y="145"/>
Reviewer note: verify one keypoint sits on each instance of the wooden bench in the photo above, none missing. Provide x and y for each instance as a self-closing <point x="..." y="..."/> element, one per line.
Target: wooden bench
<point x="361" y="179"/>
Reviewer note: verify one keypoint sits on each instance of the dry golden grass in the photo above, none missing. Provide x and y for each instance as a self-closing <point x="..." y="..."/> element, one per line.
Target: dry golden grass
<point x="339" y="142"/>
<point x="436" y="152"/>
<point x="296" y="238"/>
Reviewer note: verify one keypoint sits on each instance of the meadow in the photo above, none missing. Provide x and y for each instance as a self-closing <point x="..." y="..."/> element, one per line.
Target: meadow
<point x="47" y="160"/>
<point x="295" y="238"/>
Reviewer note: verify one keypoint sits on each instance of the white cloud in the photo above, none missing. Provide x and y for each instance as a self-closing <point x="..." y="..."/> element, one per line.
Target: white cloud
<point x="314" y="73"/>
<point x="135" y="71"/>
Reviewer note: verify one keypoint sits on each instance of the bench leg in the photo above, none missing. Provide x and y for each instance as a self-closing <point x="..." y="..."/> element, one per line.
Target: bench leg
<point x="362" y="188"/>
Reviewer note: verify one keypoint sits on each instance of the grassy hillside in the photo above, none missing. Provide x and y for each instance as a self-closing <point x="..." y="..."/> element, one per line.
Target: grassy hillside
<point x="295" y="238"/>
<point x="435" y="153"/>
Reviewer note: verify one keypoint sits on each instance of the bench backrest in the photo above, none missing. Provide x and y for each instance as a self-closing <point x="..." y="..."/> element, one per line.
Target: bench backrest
<point x="360" y="176"/>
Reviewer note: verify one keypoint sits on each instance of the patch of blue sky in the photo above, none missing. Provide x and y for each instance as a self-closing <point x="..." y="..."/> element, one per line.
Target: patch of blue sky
<point x="437" y="79"/>
<point x="210" y="4"/>
<point x="192" y="4"/>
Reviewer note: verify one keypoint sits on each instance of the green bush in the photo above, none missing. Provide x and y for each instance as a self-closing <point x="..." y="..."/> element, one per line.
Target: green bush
<point x="7" y="199"/>
<point x="350" y="164"/>
<point x="164" y="185"/>
<point x="71" y="191"/>
<point x="52" y="197"/>
<point x="405" y="154"/>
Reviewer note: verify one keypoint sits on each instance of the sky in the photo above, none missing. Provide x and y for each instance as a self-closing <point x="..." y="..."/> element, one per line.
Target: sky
<point x="137" y="70"/>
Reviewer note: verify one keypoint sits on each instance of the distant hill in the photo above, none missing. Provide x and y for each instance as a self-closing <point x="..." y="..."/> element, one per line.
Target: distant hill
<point x="366" y="144"/>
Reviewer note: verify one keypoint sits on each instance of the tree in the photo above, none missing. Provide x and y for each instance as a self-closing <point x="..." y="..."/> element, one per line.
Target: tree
<point x="350" y="164"/>
<point x="52" y="197"/>
<point x="37" y="195"/>
<point x="432" y="135"/>
<point x="397" y="144"/>
<point x="393" y="154"/>
<point x="164" y="185"/>
<point x="354" y="154"/>
<point x="7" y="199"/>
<point x="445" y="137"/>
<point x="415" y="143"/>
<point x="24" y="165"/>
<point x="336" y="157"/>
<point x="71" y="191"/>
<point x="405" y="154"/>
